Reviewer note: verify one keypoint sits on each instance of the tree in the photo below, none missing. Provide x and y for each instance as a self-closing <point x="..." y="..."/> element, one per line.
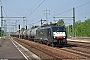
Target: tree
<point x="34" y="27"/>
<point x="50" y="22"/>
<point x="1" y="32"/>
<point x="45" y="24"/>
<point x="60" y="22"/>
<point x="22" y="29"/>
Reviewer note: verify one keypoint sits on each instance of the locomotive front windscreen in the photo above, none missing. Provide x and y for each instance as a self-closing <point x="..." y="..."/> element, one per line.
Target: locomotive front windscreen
<point x="58" y="29"/>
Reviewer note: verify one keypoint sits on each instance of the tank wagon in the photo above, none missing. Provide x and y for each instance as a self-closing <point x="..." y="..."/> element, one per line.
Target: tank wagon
<point x="14" y="34"/>
<point x="24" y="34"/>
<point x="30" y="34"/>
<point x="53" y="35"/>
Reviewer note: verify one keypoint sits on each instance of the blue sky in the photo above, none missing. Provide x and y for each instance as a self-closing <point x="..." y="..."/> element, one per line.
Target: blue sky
<point x="34" y="10"/>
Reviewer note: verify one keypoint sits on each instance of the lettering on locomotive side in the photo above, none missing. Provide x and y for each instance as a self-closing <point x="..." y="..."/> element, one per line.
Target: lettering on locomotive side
<point x="41" y="32"/>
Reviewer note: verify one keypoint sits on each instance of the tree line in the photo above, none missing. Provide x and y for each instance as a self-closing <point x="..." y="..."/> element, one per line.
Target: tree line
<point x="82" y="29"/>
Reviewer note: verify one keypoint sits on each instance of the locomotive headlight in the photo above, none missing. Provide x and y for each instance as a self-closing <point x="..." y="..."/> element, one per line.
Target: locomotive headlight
<point x="64" y="37"/>
<point x="54" y="37"/>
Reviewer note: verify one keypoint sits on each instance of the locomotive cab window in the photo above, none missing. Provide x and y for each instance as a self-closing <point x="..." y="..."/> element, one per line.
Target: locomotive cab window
<point x="58" y="29"/>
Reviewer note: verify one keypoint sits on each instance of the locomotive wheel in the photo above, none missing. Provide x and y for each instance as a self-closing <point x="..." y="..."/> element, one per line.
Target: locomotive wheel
<point x="47" y="43"/>
<point x="52" y="44"/>
<point x="41" y="42"/>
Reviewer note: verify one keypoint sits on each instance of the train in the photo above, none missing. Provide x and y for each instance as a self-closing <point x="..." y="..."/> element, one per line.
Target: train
<point x="51" y="35"/>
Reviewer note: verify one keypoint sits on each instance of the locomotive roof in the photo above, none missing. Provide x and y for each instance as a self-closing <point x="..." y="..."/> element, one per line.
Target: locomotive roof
<point x="49" y="27"/>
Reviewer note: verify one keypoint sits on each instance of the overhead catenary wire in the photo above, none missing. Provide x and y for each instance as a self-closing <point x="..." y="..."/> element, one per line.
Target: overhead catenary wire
<point x="83" y="14"/>
<point x="13" y="11"/>
<point x="82" y="5"/>
<point x="64" y="12"/>
<point x="0" y="2"/>
<point x="36" y="8"/>
<point x="81" y="10"/>
<point x="32" y="7"/>
<point x="8" y="9"/>
<point x="69" y="3"/>
<point x="66" y="5"/>
<point x="3" y="8"/>
<point x="63" y="6"/>
<point x="4" y="12"/>
<point x="75" y="8"/>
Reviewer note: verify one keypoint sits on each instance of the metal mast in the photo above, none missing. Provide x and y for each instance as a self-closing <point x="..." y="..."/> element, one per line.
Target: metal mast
<point x="46" y="13"/>
<point x="1" y="20"/>
<point x="73" y="22"/>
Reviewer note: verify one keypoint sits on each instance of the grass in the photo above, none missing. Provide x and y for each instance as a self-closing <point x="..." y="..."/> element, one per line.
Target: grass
<point x="4" y="38"/>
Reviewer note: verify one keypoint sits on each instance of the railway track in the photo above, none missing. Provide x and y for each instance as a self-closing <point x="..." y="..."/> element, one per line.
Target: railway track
<point x="39" y="52"/>
<point x="80" y="44"/>
<point x="80" y="48"/>
<point x="25" y="52"/>
<point x="47" y="52"/>
<point x="77" y="51"/>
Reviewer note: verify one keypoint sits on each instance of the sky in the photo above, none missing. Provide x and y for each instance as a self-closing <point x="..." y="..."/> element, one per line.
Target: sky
<point x="35" y="10"/>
